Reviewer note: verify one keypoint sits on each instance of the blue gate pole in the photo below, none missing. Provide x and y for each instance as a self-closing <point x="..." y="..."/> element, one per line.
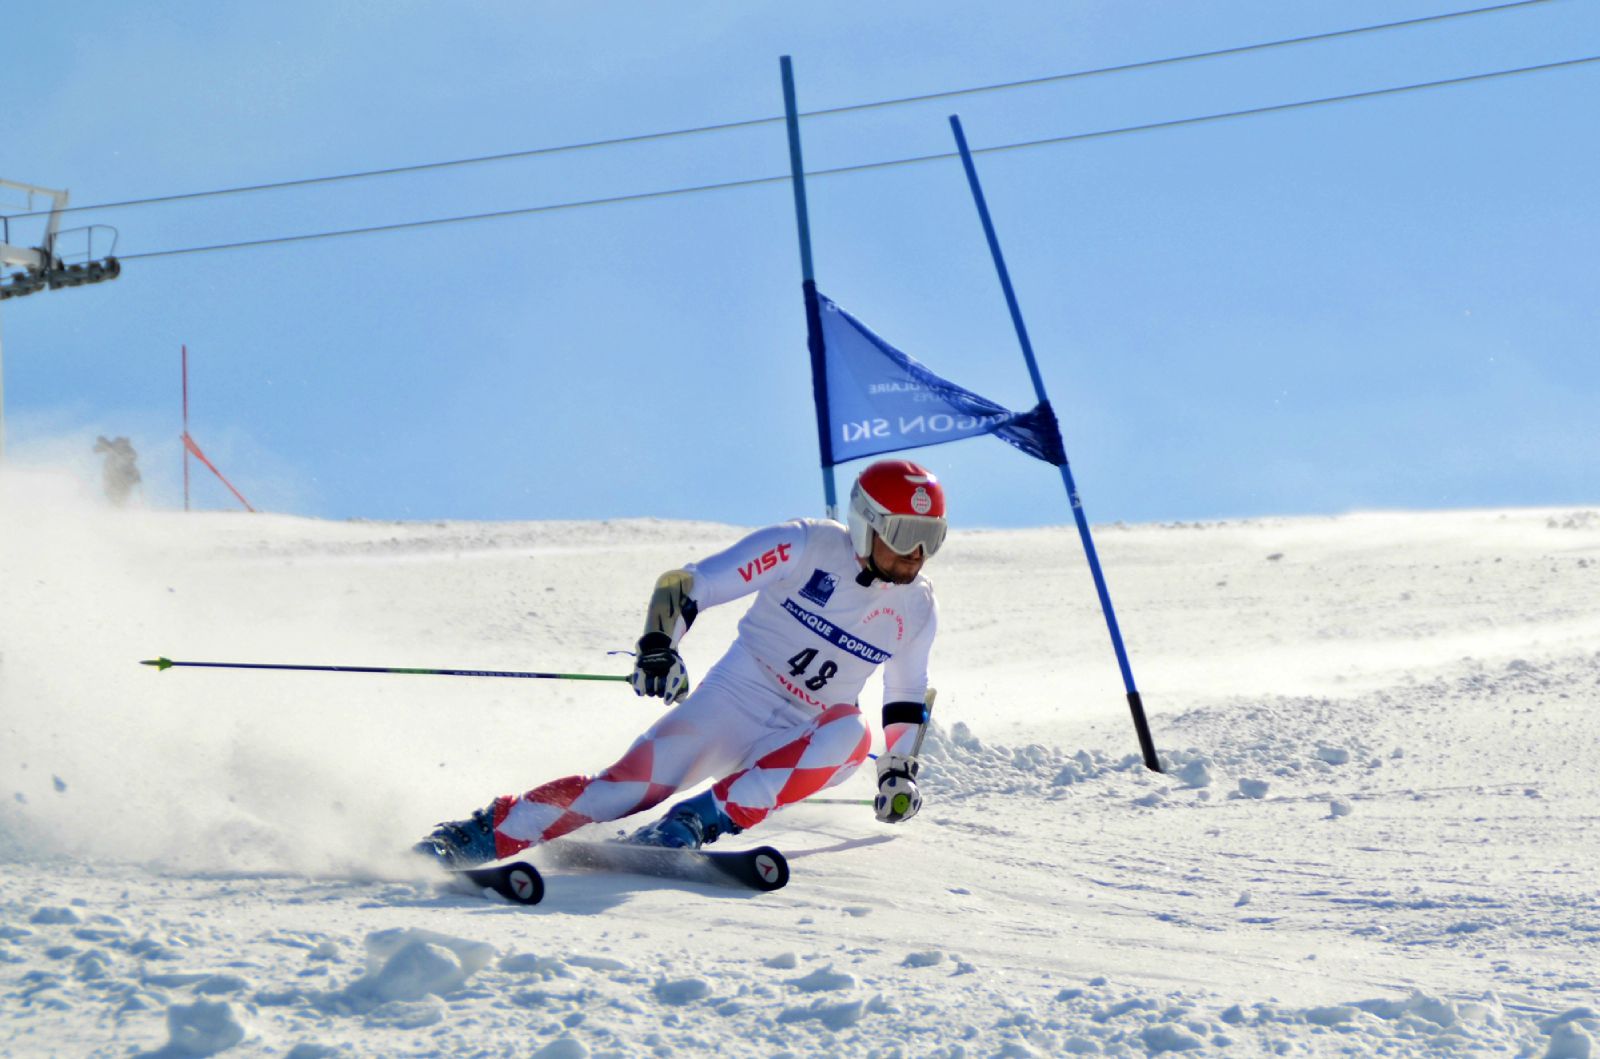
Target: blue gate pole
<point x="1135" y="704"/>
<point x="808" y="287"/>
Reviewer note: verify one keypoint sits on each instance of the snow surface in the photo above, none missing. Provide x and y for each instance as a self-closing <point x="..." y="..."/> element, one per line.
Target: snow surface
<point x="1376" y="834"/>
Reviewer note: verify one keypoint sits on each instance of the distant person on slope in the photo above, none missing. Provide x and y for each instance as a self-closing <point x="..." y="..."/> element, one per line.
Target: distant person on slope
<point x="775" y="720"/>
<point x="121" y="471"/>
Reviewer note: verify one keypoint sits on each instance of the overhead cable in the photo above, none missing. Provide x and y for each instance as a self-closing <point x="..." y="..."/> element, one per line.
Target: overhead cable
<point x="844" y="109"/>
<point x="865" y="166"/>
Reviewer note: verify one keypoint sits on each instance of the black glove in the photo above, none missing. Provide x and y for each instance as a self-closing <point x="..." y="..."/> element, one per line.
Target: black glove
<point x="657" y="669"/>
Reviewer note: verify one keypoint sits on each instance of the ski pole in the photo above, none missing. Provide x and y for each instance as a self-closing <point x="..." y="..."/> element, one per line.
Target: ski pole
<point x="167" y="663"/>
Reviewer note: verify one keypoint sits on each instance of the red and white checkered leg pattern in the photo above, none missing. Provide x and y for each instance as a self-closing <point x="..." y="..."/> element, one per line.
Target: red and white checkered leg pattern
<point x="900" y="738"/>
<point x="657" y="765"/>
<point x="825" y="752"/>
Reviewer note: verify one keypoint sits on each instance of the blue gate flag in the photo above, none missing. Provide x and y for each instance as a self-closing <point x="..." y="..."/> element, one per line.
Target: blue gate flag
<point x="881" y="400"/>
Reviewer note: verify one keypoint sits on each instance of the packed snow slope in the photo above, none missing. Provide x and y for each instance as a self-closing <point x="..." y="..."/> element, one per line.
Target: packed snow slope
<point x="1376" y="833"/>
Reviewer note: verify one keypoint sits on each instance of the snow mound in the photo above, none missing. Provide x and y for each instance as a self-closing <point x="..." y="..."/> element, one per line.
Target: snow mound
<point x="203" y="1028"/>
<point x="408" y="969"/>
<point x="682" y="991"/>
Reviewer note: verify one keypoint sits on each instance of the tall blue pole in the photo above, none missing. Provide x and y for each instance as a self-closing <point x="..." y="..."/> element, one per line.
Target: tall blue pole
<point x="808" y="287"/>
<point x="1135" y="704"/>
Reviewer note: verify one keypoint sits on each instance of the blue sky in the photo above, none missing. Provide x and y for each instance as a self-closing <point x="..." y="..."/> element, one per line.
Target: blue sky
<point x="1387" y="303"/>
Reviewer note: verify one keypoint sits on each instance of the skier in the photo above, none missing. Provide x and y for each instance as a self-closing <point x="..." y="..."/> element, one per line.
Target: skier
<point x="775" y="720"/>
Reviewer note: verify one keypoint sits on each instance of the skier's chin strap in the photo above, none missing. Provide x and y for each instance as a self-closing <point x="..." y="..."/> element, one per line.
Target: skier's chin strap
<point x="871" y="572"/>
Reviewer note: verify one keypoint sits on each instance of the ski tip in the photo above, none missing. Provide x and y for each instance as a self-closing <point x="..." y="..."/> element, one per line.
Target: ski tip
<point x="771" y="868"/>
<point x="522" y="883"/>
<point x="518" y="881"/>
<point x="159" y="663"/>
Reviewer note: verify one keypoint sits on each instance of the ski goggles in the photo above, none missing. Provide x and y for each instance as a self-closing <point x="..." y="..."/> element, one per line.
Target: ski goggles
<point x="904" y="534"/>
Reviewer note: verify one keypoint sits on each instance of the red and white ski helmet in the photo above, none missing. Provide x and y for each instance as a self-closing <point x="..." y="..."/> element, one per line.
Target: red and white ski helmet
<point x="903" y="503"/>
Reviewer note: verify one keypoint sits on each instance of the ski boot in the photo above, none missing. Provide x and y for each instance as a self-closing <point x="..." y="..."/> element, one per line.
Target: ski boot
<point x="461" y="843"/>
<point x="690" y="824"/>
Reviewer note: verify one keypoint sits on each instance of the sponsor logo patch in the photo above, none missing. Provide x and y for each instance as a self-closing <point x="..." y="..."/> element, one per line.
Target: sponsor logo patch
<point x="888" y="612"/>
<point x="820" y="588"/>
<point x="835" y="635"/>
<point x="766" y="561"/>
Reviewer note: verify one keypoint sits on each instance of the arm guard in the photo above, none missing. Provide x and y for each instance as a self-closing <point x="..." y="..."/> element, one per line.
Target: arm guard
<point x="904" y="724"/>
<point x="671" y="604"/>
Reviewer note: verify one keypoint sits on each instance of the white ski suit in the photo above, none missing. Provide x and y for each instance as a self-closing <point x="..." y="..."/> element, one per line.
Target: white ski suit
<point x="775" y="720"/>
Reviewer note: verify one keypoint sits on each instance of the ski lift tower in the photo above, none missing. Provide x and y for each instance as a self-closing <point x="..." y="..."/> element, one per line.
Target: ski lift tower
<point x="42" y="266"/>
